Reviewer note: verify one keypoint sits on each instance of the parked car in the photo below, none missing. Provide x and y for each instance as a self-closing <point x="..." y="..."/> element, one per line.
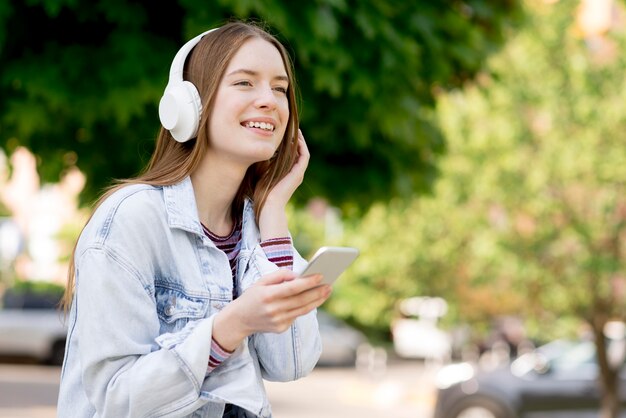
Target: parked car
<point x="340" y="341"/>
<point x="416" y="334"/>
<point x="555" y="380"/>
<point x="421" y="339"/>
<point x="32" y="327"/>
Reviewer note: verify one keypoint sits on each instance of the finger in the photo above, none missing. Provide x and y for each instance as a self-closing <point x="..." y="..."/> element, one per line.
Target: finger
<point x="302" y="160"/>
<point x="321" y="295"/>
<point x="314" y="296"/>
<point x="299" y="285"/>
<point x="276" y="277"/>
<point x="285" y="311"/>
<point x="292" y="308"/>
<point x="303" y="149"/>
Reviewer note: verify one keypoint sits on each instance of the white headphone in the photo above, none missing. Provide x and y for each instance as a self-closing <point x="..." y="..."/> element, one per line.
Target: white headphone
<point x="180" y="107"/>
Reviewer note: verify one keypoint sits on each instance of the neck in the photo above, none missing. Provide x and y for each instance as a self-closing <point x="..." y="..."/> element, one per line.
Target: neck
<point x="215" y="184"/>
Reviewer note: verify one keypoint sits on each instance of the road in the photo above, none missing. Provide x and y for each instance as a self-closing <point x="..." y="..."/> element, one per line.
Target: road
<point x="402" y="389"/>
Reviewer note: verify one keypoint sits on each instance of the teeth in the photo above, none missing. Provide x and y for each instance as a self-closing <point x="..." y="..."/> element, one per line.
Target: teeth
<point x="261" y="125"/>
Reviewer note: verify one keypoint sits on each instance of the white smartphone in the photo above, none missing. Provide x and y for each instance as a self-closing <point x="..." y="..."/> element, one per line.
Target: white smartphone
<point x="330" y="262"/>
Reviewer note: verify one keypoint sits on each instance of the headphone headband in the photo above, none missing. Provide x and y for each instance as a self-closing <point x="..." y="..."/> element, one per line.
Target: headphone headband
<point x="178" y="63"/>
<point x="180" y="107"/>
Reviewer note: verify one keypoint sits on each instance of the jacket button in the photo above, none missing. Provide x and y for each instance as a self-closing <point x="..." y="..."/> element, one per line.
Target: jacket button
<point x="169" y="310"/>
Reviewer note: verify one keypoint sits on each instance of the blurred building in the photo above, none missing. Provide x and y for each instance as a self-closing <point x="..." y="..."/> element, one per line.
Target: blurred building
<point x="32" y="237"/>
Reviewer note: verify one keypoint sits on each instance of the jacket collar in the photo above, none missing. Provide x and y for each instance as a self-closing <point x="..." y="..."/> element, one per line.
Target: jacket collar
<point x="182" y="211"/>
<point x="180" y="206"/>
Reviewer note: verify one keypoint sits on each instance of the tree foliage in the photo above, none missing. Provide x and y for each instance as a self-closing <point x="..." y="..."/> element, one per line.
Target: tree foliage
<point x="529" y="216"/>
<point x="80" y="81"/>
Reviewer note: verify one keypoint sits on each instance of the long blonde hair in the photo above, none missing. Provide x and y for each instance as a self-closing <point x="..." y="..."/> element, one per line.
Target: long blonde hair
<point x="173" y="161"/>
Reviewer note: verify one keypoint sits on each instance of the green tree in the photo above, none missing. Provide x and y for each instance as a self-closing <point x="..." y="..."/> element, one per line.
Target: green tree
<point x="568" y="221"/>
<point x="529" y="216"/>
<point x="80" y="81"/>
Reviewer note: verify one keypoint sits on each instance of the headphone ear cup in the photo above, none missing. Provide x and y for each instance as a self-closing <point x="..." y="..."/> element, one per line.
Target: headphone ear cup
<point x="180" y="109"/>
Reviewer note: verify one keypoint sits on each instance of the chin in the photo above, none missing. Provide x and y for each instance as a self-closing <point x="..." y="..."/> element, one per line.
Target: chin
<point x="266" y="153"/>
<point x="263" y="160"/>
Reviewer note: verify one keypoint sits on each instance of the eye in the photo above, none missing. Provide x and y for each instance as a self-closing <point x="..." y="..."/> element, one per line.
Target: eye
<point x="281" y="89"/>
<point x="244" y="83"/>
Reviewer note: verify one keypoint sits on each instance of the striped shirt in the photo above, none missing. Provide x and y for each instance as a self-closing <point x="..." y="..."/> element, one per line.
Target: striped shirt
<point x="278" y="250"/>
<point x="230" y="245"/>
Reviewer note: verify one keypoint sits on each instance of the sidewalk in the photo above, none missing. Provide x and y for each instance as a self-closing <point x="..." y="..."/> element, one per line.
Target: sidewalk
<point x="403" y="389"/>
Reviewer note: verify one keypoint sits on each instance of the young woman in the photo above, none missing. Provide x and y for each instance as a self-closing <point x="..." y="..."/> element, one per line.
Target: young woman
<point x="182" y="295"/>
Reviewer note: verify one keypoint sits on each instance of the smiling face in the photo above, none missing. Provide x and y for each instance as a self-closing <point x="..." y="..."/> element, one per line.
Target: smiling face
<point x="251" y="108"/>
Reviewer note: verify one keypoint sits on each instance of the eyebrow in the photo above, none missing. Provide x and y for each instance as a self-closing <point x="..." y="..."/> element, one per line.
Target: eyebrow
<point x="255" y="74"/>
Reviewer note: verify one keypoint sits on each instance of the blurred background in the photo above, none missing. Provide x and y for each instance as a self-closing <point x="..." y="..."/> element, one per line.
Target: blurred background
<point x="474" y="151"/>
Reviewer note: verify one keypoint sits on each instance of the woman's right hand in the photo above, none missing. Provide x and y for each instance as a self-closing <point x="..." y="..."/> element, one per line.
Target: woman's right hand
<point x="270" y="305"/>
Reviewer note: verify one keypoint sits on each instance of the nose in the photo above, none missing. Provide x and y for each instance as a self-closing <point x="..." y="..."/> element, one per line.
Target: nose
<point x="266" y="98"/>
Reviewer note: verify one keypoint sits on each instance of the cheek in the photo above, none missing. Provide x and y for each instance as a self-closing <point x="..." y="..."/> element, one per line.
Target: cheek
<point x="283" y="127"/>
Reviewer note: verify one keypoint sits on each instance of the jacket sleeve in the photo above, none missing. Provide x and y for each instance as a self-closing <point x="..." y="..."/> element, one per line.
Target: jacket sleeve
<point x="127" y="368"/>
<point x="294" y="353"/>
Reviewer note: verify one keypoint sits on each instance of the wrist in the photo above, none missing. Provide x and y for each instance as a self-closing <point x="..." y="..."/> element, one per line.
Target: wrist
<point x="228" y="331"/>
<point x="272" y="207"/>
<point x="273" y="222"/>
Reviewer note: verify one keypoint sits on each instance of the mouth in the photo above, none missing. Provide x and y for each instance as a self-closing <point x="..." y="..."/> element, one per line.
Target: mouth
<point x="264" y="126"/>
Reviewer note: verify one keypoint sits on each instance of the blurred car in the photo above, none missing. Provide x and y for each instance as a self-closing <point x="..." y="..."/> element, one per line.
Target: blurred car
<point x="32" y="327"/>
<point x="558" y="379"/>
<point x="421" y="339"/>
<point x="416" y="334"/>
<point x="340" y="341"/>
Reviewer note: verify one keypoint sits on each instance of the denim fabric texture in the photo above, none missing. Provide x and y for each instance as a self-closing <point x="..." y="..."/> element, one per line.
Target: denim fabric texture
<point x="148" y="284"/>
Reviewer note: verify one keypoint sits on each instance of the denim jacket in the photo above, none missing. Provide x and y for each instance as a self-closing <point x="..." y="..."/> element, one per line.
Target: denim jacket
<point x="148" y="285"/>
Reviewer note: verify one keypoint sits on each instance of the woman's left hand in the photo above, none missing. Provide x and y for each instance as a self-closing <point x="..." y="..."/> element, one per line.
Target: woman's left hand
<point x="272" y="219"/>
<point x="284" y="189"/>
